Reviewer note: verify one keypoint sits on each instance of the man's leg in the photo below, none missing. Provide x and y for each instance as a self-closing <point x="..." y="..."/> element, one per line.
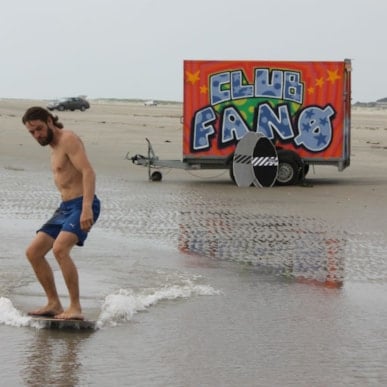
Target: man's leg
<point x="61" y="249"/>
<point x="36" y="251"/>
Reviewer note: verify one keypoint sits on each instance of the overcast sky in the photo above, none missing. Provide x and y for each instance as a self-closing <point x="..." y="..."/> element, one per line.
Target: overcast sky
<point x="135" y="49"/>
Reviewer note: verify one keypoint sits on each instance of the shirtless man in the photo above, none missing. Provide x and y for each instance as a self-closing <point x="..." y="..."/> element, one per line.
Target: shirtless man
<point x="71" y="222"/>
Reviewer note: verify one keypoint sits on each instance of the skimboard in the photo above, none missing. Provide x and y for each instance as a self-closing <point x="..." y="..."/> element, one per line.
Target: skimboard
<point x="55" y="323"/>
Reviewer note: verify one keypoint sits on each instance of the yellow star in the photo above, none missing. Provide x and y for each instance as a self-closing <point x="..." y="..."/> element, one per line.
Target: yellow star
<point x="203" y="89"/>
<point x="311" y="90"/>
<point x="192" y="77"/>
<point x="319" y="82"/>
<point x="333" y="76"/>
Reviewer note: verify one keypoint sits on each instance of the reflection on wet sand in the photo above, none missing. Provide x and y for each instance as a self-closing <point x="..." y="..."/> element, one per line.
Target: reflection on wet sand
<point x="52" y="359"/>
<point x="305" y="249"/>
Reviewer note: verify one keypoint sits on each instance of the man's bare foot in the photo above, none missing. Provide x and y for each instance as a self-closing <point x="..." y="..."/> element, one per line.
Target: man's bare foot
<point x="47" y="311"/>
<point x="69" y="315"/>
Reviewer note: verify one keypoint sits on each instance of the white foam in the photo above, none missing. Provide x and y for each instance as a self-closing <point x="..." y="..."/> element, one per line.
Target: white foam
<point x="121" y="306"/>
<point x="9" y="315"/>
<point x="118" y="307"/>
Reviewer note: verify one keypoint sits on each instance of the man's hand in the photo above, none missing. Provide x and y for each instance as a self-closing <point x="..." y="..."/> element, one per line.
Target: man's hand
<point x="86" y="219"/>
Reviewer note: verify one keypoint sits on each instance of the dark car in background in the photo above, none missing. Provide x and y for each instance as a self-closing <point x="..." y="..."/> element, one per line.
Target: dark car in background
<point x="72" y="103"/>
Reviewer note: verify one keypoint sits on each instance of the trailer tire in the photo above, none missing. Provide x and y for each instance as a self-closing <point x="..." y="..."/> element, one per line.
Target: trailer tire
<point x="289" y="167"/>
<point x="156" y="176"/>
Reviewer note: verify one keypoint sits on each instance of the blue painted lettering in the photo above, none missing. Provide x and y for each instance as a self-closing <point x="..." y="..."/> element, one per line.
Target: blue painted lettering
<point x="239" y="90"/>
<point x="202" y="128"/>
<point x="315" y="129"/>
<point x="217" y="82"/>
<point x="314" y="126"/>
<point x="269" y="121"/>
<point x="233" y="126"/>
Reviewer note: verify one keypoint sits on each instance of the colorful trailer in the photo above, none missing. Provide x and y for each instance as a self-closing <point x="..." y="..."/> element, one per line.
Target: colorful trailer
<point x="303" y="108"/>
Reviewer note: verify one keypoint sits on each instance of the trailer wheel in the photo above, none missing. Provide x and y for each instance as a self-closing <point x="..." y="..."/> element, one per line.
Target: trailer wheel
<point x="289" y="167"/>
<point x="156" y="176"/>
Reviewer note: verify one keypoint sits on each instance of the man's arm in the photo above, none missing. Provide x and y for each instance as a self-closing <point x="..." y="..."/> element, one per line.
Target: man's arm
<point x="78" y="157"/>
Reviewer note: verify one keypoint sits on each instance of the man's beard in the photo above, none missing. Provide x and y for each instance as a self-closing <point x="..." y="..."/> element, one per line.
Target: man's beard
<point x="48" y="139"/>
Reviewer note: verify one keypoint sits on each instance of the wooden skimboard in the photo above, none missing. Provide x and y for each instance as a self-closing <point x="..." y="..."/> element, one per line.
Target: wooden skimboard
<point x="55" y="323"/>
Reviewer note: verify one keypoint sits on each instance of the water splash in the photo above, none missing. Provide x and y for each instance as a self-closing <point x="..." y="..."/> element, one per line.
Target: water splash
<point x="121" y="306"/>
<point x="9" y="315"/>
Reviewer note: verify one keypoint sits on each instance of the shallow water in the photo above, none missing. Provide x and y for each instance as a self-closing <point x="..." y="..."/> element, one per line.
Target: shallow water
<point x="195" y="283"/>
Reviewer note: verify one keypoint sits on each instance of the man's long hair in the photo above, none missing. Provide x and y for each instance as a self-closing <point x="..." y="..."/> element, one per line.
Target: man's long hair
<point x="39" y="113"/>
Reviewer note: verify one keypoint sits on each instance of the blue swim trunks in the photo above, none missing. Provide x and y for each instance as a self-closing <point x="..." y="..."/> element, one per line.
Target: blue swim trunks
<point x="67" y="218"/>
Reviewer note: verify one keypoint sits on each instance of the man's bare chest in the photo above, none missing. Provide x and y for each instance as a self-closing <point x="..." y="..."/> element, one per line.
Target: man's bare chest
<point x="60" y="162"/>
